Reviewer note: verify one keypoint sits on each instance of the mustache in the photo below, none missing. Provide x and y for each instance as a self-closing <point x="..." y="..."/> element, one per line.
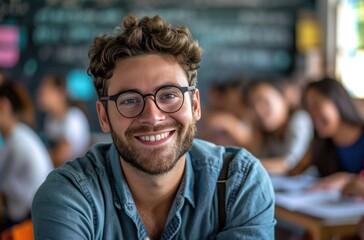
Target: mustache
<point x="143" y="129"/>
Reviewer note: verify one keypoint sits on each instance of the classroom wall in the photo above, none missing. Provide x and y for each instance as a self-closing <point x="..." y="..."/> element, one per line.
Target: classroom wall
<point x="240" y="38"/>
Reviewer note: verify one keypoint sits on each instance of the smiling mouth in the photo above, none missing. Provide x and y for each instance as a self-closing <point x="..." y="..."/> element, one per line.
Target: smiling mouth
<point x="155" y="137"/>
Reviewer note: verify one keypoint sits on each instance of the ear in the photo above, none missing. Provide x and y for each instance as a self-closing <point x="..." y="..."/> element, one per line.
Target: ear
<point x="103" y="119"/>
<point x="196" y="105"/>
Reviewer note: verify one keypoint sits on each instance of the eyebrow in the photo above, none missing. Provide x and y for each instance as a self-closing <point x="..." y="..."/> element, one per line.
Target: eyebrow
<point x="154" y="90"/>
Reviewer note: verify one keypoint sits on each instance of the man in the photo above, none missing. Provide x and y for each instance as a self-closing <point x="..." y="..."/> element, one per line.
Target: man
<point x="154" y="181"/>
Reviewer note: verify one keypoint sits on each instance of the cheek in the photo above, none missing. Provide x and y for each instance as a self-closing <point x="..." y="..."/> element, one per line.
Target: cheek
<point x="43" y="96"/>
<point x="118" y="123"/>
<point x="261" y="107"/>
<point x="332" y="117"/>
<point x="184" y="115"/>
<point x="327" y="121"/>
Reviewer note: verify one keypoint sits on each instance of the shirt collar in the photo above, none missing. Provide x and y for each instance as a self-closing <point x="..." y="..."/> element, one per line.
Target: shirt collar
<point x="121" y="192"/>
<point x="189" y="180"/>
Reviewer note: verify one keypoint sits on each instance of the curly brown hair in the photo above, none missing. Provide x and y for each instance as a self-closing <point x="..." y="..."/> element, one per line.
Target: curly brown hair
<point x="146" y="36"/>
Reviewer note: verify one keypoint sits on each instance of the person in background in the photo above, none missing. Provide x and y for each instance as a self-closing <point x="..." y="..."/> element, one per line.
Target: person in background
<point x="338" y="148"/>
<point x="24" y="160"/>
<point x="66" y="127"/>
<point x="287" y="132"/>
<point x="292" y="91"/>
<point x="227" y="120"/>
<point x="27" y="115"/>
<point x="155" y="181"/>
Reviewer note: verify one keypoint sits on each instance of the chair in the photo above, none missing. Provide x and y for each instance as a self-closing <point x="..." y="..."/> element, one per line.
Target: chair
<point x="20" y="231"/>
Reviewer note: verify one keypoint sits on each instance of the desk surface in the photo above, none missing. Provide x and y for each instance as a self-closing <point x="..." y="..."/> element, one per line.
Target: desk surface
<point x="319" y="229"/>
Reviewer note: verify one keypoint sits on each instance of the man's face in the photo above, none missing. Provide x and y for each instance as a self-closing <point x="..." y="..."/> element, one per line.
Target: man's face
<point x="154" y="141"/>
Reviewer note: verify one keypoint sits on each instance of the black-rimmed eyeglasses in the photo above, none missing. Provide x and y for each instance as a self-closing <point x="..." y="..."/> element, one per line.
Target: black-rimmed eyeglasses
<point x="131" y="103"/>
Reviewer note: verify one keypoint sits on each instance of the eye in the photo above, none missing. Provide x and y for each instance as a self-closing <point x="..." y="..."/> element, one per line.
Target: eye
<point x="128" y="101"/>
<point x="169" y="95"/>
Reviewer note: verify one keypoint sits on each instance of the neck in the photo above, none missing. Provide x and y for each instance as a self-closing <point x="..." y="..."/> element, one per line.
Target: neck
<point x="347" y="134"/>
<point x="151" y="190"/>
<point x="154" y="195"/>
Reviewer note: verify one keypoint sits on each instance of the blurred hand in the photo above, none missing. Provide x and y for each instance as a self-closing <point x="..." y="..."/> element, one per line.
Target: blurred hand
<point x="222" y="120"/>
<point x="355" y="187"/>
<point x="334" y="181"/>
<point x="232" y="126"/>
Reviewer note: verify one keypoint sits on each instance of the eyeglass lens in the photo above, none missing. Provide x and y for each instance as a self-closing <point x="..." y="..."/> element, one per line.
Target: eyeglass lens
<point x="168" y="99"/>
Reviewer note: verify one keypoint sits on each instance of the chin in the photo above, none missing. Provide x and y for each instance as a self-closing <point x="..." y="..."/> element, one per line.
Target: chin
<point x="269" y="128"/>
<point x="323" y="134"/>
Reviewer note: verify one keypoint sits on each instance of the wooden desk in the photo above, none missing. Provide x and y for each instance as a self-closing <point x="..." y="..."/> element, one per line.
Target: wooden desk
<point x="318" y="229"/>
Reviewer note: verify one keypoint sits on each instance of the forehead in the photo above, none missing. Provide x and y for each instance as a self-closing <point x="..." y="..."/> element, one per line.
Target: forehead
<point x="316" y="96"/>
<point x="266" y="91"/>
<point x="146" y="73"/>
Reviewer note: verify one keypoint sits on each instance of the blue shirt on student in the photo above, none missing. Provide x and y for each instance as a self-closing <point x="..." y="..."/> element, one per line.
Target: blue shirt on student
<point x="89" y="199"/>
<point x="351" y="158"/>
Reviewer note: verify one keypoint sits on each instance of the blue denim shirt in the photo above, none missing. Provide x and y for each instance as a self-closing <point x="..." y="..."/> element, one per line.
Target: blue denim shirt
<point x="88" y="198"/>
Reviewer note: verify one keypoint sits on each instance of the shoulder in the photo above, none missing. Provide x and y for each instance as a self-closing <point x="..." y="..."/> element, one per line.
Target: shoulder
<point x="31" y="142"/>
<point x="74" y="193"/>
<point x="75" y="113"/>
<point x="205" y="153"/>
<point x="300" y="116"/>
<point x="23" y="131"/>
<point x="300" y="119"/>
<point x="93" y="162"/>
<point x="81" y="172"/>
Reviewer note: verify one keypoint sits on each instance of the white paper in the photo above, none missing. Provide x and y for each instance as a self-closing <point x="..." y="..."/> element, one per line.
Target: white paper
<point x="292" y="194"/>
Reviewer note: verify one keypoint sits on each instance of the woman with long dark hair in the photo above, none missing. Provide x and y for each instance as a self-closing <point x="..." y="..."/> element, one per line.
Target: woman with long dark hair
<point x="338" y="149"/>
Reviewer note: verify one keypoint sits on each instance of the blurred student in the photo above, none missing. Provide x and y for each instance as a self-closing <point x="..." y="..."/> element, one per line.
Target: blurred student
<point x="24" y="160"/>
<point x="338" y="148"/>
<point x="66" y="127"/>
<point x="27" y="115"/>
<point x="227" y="119"/>
<point x="287" y="131"/>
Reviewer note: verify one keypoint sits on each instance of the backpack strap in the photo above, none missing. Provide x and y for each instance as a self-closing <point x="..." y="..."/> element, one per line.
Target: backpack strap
<point x="221" y="191"/>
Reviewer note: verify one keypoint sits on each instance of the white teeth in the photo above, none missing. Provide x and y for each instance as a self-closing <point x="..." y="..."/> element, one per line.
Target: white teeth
<point x="153" y="138"/>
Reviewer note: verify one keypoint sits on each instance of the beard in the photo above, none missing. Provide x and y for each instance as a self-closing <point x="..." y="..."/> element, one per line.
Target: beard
<point x="159" y="160"/>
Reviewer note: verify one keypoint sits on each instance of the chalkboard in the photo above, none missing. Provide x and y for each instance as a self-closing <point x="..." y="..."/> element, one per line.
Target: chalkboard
<point x="245" y="37"/>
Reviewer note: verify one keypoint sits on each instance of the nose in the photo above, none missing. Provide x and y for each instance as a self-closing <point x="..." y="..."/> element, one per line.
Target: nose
<point x="151" y="113"/>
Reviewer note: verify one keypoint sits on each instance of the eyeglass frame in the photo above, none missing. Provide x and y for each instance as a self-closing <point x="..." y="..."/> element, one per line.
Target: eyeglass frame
<point x="115" y="97"/>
